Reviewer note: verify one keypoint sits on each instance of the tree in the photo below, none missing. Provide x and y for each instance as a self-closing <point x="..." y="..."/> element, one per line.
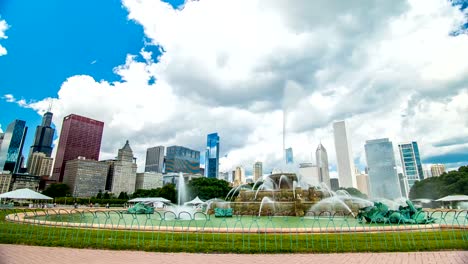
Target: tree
<point x="452" y="182"/>
<point x="355" y="192"/>
<point x="99" y="194"/>
<point x="57" y="190"/>
<point x="123" y="195"/>
<point x="168" y="191"/>
<point x="106" y="195"/>
<point x="208" y="188"/>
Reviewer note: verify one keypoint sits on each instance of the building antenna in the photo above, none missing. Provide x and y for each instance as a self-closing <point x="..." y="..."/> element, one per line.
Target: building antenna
<point x="50" y="105"/>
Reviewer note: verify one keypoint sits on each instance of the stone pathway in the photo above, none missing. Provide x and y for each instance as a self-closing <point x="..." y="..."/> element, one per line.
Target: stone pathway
<point x="19" y="254"/>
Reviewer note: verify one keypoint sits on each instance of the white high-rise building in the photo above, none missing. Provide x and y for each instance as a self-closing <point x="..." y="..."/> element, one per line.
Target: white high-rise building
<point x="344" y="155"/>
<point x="309" y="173"/>
<point x="322" y="165"/>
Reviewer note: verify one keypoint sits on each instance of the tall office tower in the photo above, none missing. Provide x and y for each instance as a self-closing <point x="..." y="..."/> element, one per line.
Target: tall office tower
<point x="403" y="185"/>
<point x="322" y="165"/>
<point x="381" y="165"/>
<point x="154" y="159"/>
<point x="212" y="156"/>
<point x="44" y="136"/>
<point x="289" y="155"/>
<point x="39" y="164"/>
<point x="239" y="176"/>
<point x="335" y="184"/>
<point x="182" y="159"/>
<point x="309" y="174"/>
<point x="411" y="163"/>
<point x="437" y="170"/>
<point x="85" y="177"/>
<point x="80" y="137"/>
<point x="12" y="146"/>
<point x="257" y="171"/>
<point x="344" y="155"/>
<point x="122" y="172"/>
<point x="2" y="135"/>
<point x="363" y="183"/>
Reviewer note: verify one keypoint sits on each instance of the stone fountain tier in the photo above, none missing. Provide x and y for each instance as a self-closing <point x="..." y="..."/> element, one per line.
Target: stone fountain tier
<point x="291" y="202"/>
<point x="276" y="178"/>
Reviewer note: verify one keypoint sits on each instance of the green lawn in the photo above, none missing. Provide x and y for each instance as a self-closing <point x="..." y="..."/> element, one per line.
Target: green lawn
<point x="15" y="233"/>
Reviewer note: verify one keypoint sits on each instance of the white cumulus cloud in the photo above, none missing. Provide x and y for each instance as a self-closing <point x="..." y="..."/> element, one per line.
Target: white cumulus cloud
<point x="390" y="68"/>
<point x="3" y="28"/>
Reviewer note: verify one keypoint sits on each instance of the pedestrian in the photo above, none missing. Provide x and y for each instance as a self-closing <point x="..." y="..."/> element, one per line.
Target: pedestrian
<point x="107" y="205"/>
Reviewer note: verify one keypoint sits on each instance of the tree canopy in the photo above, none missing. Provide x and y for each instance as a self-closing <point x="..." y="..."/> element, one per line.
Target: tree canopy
<point x="208" y="188"/>
<point x="168" y="191"/>
<point x="355" y="192"/>
<point x="57" y="190"/>
<point x="449" y="183"/>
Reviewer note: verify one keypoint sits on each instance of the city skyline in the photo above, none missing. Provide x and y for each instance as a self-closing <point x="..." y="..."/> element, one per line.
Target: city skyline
<point x="195" y="93"/>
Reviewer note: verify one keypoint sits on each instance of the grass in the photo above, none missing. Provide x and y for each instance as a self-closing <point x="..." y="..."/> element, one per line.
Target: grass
<point x="16" y="233"/>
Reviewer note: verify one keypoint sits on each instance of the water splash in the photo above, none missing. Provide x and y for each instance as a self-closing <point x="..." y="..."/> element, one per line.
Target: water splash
<point x="267" y="200"/>
<point x="181" y="190"/>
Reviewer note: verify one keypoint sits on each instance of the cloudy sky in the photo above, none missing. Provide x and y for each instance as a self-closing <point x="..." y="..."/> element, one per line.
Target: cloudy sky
<point x="169" y="72"/>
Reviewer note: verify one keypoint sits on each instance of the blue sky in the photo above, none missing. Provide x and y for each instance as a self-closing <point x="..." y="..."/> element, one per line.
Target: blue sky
<point x="232" y="66"/>
<point x="53" y="40"/>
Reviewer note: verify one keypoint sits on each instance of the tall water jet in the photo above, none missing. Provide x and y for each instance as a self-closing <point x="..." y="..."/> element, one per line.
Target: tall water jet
<point x="286" y="179"/>
<point x="181" y="190"/>
<point x="266" y="200"/>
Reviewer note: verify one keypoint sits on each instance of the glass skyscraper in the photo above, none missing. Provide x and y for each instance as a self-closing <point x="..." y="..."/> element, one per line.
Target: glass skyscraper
<point x="383" y="178"/>
<point x="289" y="156"/>
<point x="44" y="136"/>
<point x="12" y="146"/>
<point x="411" y="163"/>
<point x="181" y="159"/>
<point x="212" y="156"/>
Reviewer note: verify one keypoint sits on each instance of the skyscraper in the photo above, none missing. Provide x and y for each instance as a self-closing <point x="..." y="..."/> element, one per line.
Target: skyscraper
<point x="344" y="155"/>
<point x="257" y="171"/>
<point x="309" y="174"/>
<point x="239" y="176"/>
<point x="122" y="172"/>
<point x="12" y="146"/>
<point x="383" y="178"/>
<point x="182" y="159"/>
<point x="212" y="156"/>
<point x="411" y="163"/>
<point x="44" y="136"/>
<point x="437" y="169"/>
<point x="335" y="184"/>
<point x="154" y="159"/>
<point x="322" y="165"/>
<point x="39" y="164"/>
<point x="2" y="135"/>
<point x="80" y="137"/>
<point x="289" y="156"/>
<point x="85" y="177"/>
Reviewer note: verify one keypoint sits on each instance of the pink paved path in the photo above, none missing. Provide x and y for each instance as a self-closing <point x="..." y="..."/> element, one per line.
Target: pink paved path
<point x="19" y="254"/>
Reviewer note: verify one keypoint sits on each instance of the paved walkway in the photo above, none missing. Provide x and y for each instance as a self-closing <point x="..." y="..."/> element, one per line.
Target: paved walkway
<point x="19" y="254"/>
